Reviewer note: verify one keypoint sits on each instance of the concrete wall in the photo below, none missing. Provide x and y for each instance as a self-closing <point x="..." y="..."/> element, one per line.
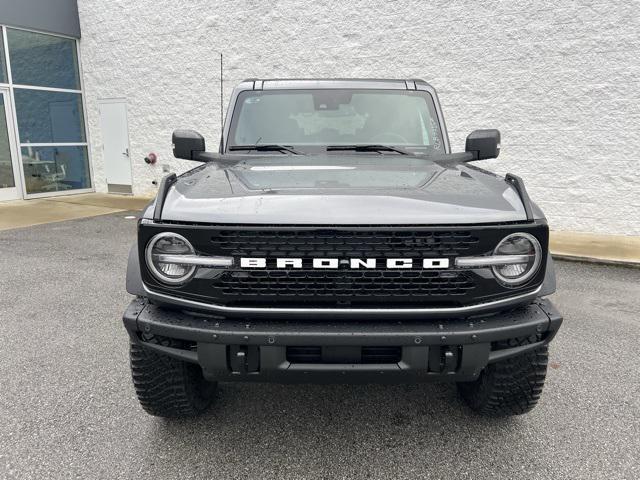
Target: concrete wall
<point x="559" y="79"/>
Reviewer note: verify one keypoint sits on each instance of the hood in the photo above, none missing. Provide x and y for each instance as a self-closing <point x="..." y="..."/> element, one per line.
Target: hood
<point x="347" y="189"/>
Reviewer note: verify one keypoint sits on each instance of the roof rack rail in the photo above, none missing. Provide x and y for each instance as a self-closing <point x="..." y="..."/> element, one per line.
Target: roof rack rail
<point x="163" y="189"/>
<point x="518" y="184"/>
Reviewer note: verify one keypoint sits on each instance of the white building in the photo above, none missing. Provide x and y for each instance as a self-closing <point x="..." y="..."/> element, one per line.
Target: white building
<point x="559" y="79"/>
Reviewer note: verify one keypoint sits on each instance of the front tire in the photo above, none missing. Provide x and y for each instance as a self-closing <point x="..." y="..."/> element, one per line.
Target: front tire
<point x="509" y="387"/>
<point x="167" y="387"/>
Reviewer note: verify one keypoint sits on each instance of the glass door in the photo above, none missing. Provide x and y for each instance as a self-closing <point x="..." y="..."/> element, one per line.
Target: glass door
<point x="9" y="178"/>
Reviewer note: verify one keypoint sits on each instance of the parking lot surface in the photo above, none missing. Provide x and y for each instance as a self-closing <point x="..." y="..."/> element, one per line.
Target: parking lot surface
<point x="68" y="409"/>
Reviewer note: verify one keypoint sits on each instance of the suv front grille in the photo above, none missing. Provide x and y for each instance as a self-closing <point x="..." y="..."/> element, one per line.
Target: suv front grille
<point x="345" y="287"/>
<point x="342" y="287"/>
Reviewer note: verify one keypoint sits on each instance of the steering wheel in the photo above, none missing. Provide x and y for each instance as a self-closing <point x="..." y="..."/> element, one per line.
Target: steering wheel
<point x="379" y="138"/>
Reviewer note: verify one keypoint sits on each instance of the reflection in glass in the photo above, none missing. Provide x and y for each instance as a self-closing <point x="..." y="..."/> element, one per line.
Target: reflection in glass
<point x="49" y="117"/>
<point x="6" y="169"/>
<point x="53" y="169"/>
<point x="43" y="60"/>
<point x="3" y="63"/>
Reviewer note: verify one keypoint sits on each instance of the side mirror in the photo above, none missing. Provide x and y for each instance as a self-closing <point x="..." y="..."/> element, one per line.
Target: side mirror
<point x="187" y="144"/>
<point x="483" y="144"/>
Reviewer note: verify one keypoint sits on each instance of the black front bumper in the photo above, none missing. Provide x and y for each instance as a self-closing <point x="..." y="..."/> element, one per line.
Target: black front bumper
<point x="432" y="349"/>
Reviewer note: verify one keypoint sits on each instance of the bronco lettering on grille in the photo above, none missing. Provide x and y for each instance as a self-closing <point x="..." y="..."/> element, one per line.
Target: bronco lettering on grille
<point x="354" y="263"/>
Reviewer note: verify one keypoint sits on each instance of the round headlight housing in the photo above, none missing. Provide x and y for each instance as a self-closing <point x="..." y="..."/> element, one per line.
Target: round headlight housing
<point x="169" y="244"/>
<point x="523" y="245"/>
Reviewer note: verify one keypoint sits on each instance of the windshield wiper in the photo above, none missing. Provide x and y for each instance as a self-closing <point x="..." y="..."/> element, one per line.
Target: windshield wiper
<point x="369" y="148"/>
<point x="267" y="147"/>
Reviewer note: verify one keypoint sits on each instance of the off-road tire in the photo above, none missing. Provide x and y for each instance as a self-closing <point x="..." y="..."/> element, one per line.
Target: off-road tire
<point x="167" y="387"/>
<point x="508" y="387"/>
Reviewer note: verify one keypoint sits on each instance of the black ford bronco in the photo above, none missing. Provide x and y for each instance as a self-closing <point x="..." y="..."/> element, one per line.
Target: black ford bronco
<point x="334" y="237"/>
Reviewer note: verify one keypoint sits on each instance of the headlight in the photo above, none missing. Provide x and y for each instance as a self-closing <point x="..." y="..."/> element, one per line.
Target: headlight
<point x="169" y="246"/>
<point x="519" y="245"/>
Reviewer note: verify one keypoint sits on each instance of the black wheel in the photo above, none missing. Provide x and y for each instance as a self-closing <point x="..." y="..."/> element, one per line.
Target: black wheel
<point x="167" y="387"/>
<point x="509" y="387"/>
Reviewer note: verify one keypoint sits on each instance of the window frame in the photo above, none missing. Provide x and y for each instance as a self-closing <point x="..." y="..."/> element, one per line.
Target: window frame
<point x="20" y="145"/>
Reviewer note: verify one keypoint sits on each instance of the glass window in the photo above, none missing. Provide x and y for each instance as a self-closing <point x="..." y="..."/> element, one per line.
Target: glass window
<point x="3" y="62"/>
<point x="43" y="60"/>
<point x="49" y="117"/>
<point x="337" y="117"/>
<point x="53" y="169"/>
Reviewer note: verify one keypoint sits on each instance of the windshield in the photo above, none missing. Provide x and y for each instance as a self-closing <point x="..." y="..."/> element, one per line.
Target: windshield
<point x="311" y="120"/>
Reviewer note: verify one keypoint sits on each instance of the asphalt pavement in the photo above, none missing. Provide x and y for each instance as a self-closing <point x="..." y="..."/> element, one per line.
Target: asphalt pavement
<point x="68" y="409"/>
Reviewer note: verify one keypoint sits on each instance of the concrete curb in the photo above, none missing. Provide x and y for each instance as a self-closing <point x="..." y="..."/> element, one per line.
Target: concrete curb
<point x="591" y="247"/>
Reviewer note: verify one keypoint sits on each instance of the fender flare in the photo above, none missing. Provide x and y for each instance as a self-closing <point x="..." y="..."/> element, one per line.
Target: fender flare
<point x="549" y="283"/>
<point x="134" y="278"/>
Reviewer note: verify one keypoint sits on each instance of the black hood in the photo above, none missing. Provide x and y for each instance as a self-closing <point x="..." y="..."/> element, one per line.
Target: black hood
<point x="347" y="189"/>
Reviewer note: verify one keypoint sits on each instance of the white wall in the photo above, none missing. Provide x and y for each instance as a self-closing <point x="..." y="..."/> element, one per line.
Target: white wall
<point x="559" y="79"/>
